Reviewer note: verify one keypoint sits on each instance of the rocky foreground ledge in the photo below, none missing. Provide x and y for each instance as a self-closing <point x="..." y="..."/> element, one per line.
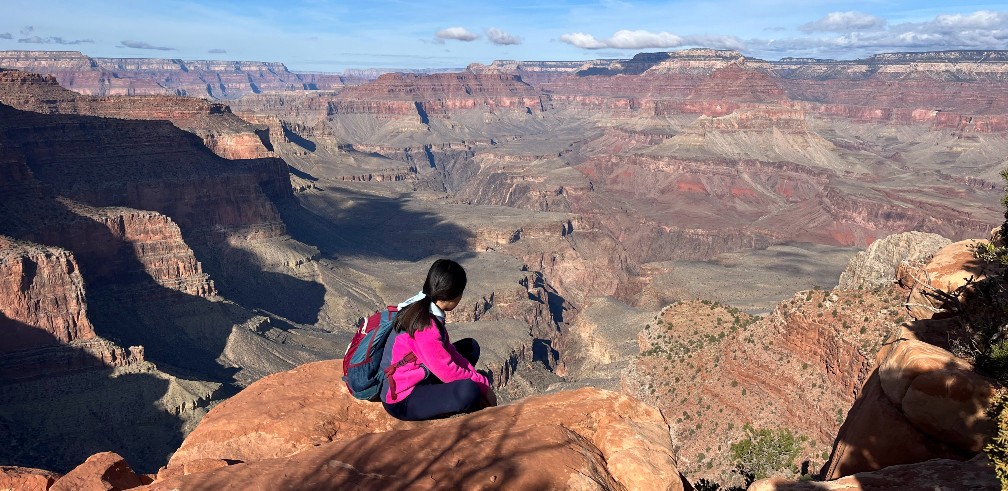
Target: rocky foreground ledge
<point x="301" y="430"/>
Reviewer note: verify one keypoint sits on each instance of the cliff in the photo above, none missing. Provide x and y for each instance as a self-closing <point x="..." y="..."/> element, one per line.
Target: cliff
<point x="397" y="94"/>
<point x="221" y="131"/>
<point x="42" y="294"/>
<point x="216" y="79"/>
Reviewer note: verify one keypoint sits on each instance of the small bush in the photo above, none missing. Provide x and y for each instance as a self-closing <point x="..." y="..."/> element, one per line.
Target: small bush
<point x="765" y="452"/>
<point x="997" y="448"/>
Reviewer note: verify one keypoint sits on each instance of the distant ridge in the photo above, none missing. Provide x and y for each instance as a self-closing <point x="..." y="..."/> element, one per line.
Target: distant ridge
<point x="952" y="64"/>
<point x="213" y="79"/>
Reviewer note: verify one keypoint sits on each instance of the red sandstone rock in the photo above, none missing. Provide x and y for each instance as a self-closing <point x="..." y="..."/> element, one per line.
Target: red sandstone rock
<point x="952" y="268"/>
<point x="192" y="467"/>
<point x="105" y="471"/>
<point x="221" y="131"/>
<point x="195" y="78"/>
<point x="923" y="403"/>
<point x="25" y="479"/>
<point x="41" y="297"/>
<point x="976" y="474"/>
<point x="437" y="95"/>
<point x="283" y="414"/>
<point x="951" y="405"/>
<point x="591" y="440"/>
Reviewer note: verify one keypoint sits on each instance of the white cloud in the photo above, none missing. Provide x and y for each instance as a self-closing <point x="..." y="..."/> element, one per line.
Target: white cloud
<point x="844" y="22"/>
<point x="456" y="33"/>
<point x="982" y="19"/>
<point x="717" y="42"/>
<point x="582" y="40"/>
<point x="624" y="39"/>
<point x="6" y="35"/>
<point x="498" y="36"/>
<point x="982" y="30"/>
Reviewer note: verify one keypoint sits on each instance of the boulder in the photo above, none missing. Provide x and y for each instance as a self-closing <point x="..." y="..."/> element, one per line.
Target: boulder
<point x="105" y="471"/>
<point x="876" y="266"/>
<point x="26" y="479"/>
<point x="907" y="360"/>
<point x="951" y="406"/>
<point x="938" y="393"/>
<point x="316" y="437"/>
<point x="976" y="474"/>
<point x="951" y="268"/>
<point x="282" y="414"/>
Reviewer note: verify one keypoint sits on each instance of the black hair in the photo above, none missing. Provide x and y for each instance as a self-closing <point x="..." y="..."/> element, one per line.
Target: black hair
<point x="446" y="280"/>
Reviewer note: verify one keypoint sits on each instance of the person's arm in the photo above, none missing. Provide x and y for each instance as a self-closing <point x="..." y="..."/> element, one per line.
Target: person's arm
<point x="431" y="351"/>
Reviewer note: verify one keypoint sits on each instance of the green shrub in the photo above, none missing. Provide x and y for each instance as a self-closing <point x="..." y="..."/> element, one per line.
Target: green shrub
<point x="997" y="448"/>
<point x="763" y="453"/>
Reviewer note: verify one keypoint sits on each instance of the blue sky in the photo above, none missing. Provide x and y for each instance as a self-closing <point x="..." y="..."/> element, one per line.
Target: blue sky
<point x="322" y="35"/>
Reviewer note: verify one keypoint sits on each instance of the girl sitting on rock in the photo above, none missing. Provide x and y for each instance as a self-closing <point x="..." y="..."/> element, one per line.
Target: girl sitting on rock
<point x="428" y="376"/>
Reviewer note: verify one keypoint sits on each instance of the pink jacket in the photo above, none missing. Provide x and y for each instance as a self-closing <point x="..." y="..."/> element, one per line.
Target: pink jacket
<point x="435" y="352"/>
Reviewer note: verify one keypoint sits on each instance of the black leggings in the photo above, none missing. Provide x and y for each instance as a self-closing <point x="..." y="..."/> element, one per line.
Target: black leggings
<point x="433" y="399"/>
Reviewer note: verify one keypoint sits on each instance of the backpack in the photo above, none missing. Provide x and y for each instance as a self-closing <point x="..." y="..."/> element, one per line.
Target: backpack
<point x="362" y="361"/>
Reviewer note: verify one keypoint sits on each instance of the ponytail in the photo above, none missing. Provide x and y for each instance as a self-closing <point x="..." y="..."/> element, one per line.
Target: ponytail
<point x="414" y="317"/>
<point x="446" y="280"/>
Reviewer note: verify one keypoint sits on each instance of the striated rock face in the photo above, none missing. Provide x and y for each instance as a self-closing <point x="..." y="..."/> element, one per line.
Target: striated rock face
<point x="171" y="175"/>
<point x="221" y="131"/>
<point x="437" y="95"/>
<point x="876" y="266"/>
<point x="976" y="474"/>
<point x="592" y="439"/>
<point x="41" y="297"/>
<point x="819" y="346"/>
<point x="216" y="79"/>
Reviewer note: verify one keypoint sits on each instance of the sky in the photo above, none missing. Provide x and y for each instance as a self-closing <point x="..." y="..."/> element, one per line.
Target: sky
<point x="330" y="36"/>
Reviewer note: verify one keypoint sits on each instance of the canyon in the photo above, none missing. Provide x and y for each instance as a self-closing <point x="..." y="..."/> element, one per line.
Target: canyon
<point x="627" y="225"/>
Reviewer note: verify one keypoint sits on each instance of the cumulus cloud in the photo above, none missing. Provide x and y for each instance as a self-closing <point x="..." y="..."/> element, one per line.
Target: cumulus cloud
<point x="982" y="19"/>
<point x="717" y="42"/>
<point x="982" y="30"/>
<point x="6" y="35"/>
<point x="217" y="51"/>
<point x="143" y="45"/>
<point x="498" y="36"/>
<point x="624" y="39"/>
<point x="844" y="22"/>
<point x="457" y="34"/>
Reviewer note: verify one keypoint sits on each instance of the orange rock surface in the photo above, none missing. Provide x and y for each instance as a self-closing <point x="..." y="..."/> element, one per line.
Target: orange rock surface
<point x="301" y="430"/>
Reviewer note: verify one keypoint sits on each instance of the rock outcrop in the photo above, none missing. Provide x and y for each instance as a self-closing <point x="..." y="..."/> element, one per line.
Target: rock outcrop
<point x="221" y="131"/>
<point x="41" y="297"/>
<point x="101" y="472"/>
<point x="922" y="402"/>
<point x="25" y="479"/>
<point x="437" y="95"/>
<point x="975" y="474"/>
<point x="876" y="267"/>
<point x="593" y="439"/>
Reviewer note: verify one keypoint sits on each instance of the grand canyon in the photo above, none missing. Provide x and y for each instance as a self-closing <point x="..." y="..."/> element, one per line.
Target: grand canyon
<point x="665" y="253"/>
